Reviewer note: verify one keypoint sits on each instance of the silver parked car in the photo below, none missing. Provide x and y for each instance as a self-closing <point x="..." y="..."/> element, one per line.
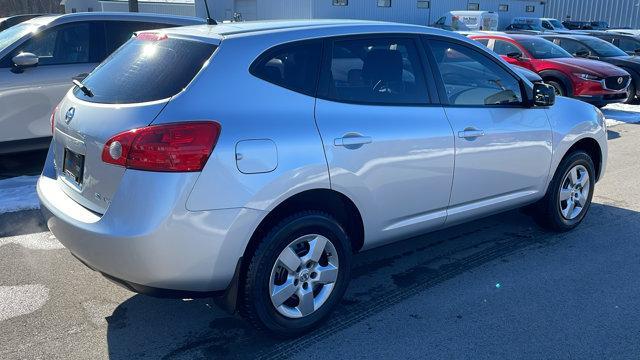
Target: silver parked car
<point x="251" y="160"/>
<point x="40" y="57"/>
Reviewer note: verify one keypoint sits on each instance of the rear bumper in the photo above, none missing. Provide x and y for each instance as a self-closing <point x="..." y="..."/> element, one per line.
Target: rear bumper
<point x="147" y="241"/>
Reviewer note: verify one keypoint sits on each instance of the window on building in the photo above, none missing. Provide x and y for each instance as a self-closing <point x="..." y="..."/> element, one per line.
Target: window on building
<point x="294" y="67"/>
<point x="473" y="6"/>
<point x="503" y="7"/>
<point x="424" y="4"/>
<point x="384" y="3"/>
<point x="374" y="71"/>
<point x="340" y="2"/>
<point x="90" y="9"/>
<point x="74" y="10"/>
<point x="530" y="8"/>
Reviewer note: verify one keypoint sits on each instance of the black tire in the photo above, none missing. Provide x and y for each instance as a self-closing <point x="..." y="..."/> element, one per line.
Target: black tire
<point x="256" y="305"/>
<point x="558" y="86"/>
<point x="632" y="94"/>
<point x="548" y="211"/>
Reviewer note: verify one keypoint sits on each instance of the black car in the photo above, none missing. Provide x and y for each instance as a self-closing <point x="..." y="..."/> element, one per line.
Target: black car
<point x="8" y="22"/>
<point x="590" y="47"/>
<point x="627" y="43"/>
<point x="585" y="25"/>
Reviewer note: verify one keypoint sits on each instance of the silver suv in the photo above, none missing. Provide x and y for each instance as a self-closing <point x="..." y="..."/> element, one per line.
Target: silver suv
<point x="250" y="161"/>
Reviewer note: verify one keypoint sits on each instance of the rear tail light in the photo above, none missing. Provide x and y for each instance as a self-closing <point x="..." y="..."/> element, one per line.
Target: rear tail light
<point x="179" y="147"/>
<point x="52" y="119"/>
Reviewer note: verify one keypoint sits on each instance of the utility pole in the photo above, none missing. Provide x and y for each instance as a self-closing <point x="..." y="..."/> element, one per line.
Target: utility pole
<point x="133" y="5"/>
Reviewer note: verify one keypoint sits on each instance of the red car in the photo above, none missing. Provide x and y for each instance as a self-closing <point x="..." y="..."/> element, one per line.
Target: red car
<point x="592" y="81"/>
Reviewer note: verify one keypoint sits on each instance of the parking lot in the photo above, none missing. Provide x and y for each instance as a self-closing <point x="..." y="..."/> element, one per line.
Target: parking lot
<point x="496" y="287"/>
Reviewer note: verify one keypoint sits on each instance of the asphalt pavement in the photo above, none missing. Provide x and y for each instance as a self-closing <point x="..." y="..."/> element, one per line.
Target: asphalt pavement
<point x="499" y="287"/>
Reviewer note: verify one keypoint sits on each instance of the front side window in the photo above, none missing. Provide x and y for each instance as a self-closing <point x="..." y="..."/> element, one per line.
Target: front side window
<point x="573" y="47"/>
<point x="472" y="79"/>
<point x="629" y="44"/>
<point x="294" y="67"/>
<point x="502" y="47"/>
<point x="374" y="71"/>
<point x="543" y="49"/>
<point x="66" y="44"/>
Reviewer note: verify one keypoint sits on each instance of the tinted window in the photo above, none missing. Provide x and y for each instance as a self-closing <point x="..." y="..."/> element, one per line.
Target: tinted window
<point x="146" y="70"/>
<point x="471" y="78"/>
<point x="573" y="47"/>
<point x="293" y="66"/>
<point x="374" y="70"/>
<point x="602" y="48"/>
<point x="502" y="47"/>
<point x="543" y="49"/>
<point x="547" y="25"/>
<point x="628" y="44"/>
<point x="65" y="44"/>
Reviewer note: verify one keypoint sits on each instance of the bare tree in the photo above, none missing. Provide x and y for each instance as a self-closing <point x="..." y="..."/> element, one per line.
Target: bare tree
<point x="133" y="5"/>
<point x="16" y="7"/>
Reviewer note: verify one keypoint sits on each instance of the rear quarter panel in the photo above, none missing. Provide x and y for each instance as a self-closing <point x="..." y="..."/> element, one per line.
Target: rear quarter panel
<point x="249" y="108"/>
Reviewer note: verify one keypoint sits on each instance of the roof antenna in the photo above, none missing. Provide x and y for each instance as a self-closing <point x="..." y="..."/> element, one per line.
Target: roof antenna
<point x="210" y="20"/>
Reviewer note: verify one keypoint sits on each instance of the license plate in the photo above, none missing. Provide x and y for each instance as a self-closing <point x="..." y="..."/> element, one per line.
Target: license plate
<point x="73" y="165"/>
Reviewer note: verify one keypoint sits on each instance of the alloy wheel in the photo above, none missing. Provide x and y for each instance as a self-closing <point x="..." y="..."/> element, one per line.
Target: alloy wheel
<point x="574" y="192"/>
<point x="303" y="276"/>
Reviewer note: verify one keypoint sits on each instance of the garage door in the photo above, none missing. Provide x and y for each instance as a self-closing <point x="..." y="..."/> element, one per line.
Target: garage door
<point x="247" y="8"/>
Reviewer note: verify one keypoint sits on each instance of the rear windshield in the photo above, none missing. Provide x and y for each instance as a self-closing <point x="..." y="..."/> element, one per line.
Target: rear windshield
<point x="146" y="68"/>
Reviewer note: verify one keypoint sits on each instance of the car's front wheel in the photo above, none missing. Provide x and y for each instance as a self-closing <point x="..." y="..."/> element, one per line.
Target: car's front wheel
<point x="569" y="195"/>
<point x="297" y="275"/>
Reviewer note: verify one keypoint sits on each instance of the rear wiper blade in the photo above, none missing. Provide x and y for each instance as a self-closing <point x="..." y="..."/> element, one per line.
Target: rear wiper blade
<point x="83" y="88"/>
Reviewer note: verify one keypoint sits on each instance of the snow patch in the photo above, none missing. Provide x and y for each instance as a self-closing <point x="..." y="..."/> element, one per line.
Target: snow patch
<point x="617" y="114"/>
<point x="40" y="241"/>
<point x="21" y="300"/>
<point x="18" y="193"/>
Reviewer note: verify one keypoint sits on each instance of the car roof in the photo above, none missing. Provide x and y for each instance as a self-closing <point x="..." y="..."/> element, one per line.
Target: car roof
<point x="249" y="28"/>
<point x="85" y="16"/>
<point x="568" y="36"/>
<point x="515" y="37"/>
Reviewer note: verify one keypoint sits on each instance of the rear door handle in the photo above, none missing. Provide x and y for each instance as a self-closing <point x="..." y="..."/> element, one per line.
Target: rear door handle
<point x="352" y="142"/>
<point x="470" y="133"/>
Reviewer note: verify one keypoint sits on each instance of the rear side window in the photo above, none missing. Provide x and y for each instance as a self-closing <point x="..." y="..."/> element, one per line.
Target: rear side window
<point x="292" y="66"/>
<point x="146" y="69"/>
<point x="374" y="71"/>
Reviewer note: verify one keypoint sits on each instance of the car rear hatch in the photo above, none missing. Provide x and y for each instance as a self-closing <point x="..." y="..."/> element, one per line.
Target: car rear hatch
<point x="125" y="92"/>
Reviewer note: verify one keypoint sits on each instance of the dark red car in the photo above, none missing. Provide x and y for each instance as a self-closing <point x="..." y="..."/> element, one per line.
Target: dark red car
<point x="592" y="81"/>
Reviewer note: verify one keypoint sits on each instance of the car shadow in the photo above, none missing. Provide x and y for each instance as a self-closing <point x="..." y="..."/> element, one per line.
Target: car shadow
<point x="630" y="117"/>
<point x="612" y="135"/>
<point x="145" y="327"/>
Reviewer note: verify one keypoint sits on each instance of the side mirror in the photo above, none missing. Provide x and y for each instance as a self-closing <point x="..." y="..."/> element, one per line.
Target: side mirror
<point x="515" y="55"/>
<point x="25" y="59"/>
<point x="543" y="95"/>
<point x="581" y="54"/>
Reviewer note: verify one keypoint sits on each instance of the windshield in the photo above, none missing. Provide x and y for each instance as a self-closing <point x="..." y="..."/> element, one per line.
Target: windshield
<point x="543" y="49"/>
<point x="557" y="25"/>
<point x="14" y="33"/>
<point x="603" y="48"/>
<point x="147" y="68"/>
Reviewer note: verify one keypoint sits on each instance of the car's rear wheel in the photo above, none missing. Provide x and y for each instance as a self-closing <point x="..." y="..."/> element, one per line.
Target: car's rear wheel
<point x="297" y="275"/>
<point x="570" y="193"/>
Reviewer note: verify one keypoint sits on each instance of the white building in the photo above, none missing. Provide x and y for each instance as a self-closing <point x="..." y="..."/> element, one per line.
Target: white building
<point x="421" y="12"/>
<point x="175" y="7"/>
